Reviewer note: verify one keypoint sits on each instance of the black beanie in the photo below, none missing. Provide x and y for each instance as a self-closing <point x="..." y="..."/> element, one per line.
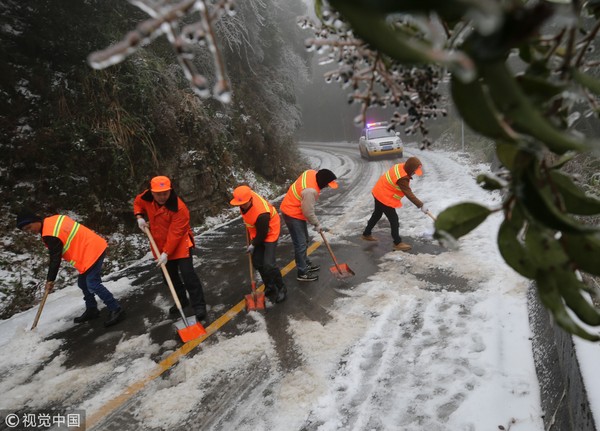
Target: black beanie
<point x="324" y="177"/>
<point x="26" y="217"/>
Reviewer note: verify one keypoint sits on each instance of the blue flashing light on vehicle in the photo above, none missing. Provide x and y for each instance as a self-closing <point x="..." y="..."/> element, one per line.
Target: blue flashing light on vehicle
<point x="378" y="141"/>
<point x="378" y="124"/>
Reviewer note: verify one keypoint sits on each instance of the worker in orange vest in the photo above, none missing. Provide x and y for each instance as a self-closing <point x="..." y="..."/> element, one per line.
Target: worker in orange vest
<point x="298" y="208"/>
<point x="263" y="227"/>
<point x="82" y="247"/>
<point x="169" y="223"/>
<point x="388" y="192"/>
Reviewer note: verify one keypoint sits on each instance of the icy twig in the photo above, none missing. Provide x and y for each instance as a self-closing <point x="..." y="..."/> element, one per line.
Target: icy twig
<point x="166" y="19"/>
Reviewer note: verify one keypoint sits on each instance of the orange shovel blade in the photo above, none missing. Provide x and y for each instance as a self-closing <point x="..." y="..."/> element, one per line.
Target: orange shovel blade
<point x="191" y="332"/>
<point x="255" y="301"/>
<point x="342" y="270"/>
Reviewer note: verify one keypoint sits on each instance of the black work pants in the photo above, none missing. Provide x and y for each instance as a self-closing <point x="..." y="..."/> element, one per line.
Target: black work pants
<point x="263" y="259"/>
<point x="391" y="215"/>
<point x="188" y="281"/>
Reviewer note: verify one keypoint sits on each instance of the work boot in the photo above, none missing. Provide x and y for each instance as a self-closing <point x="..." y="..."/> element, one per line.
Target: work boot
<point x="281" y="294"/>
<point x="402" y="246"/>
<point x="368" y="237"/>
<point x="114" y="317"/>
<point x="309" y="276"/>
<point x="270" y="292"/>
<point x="88" y="314"/>
<point x="200" y="314"/>
<point x="312" y="267"/>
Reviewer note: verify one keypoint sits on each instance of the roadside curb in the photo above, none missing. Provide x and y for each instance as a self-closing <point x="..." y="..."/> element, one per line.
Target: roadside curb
<point x="563" y="395"/>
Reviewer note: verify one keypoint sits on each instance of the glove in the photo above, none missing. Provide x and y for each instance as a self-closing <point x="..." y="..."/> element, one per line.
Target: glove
<point x="163" y="258"/>
<point x="250" y="249"/>
<point x="49" y="286"/>
<point x="142" y="223"/>
<point x="424" y="210"/>
<point x="320" y="228"/>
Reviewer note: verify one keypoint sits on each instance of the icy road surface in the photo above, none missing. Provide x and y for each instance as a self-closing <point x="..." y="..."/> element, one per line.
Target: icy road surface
<point x="428" y="341"/>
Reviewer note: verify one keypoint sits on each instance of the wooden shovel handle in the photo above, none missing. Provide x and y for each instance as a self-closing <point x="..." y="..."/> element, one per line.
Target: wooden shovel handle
<point x="431" y="215"/>
<point x="167" y="277"/>
<point x="250" y="266"/>
<point x="337" y="266"/>
<point x="40" y="308"/>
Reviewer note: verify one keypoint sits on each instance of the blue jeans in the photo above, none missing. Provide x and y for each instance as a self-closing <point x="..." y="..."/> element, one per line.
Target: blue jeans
<point x="299" y="232"/>
<point x="90" y="282"/>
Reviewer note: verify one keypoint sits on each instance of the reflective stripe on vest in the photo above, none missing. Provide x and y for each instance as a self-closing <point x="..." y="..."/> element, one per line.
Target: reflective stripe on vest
<point x="292" y="202"/>
<point x="303" y="185"/>
<point x="255" y="211"/>
<point x="388" y="177"/>
<point x="386" y="190"/>
<point x="81" y="246"/>
<point x="72" y="234"/>
<point x="272" y="211"/>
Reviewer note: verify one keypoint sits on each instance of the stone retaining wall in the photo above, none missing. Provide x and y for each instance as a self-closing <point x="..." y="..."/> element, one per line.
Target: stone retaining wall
<point x="563" y="395"/>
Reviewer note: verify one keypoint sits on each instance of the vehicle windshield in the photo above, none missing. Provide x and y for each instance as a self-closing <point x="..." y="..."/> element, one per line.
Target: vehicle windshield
<point x="379" y="133"/>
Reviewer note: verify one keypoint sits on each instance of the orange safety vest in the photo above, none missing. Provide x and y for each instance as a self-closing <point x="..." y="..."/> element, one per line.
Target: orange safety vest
<point x="81" y="246"/>
<point x="292" y="202"/>
<point x="386" y="190"/>
<point x="261" y="206"/>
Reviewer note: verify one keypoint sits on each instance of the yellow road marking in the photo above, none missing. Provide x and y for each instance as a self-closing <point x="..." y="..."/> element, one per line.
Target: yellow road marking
<point x="174" y="357"/>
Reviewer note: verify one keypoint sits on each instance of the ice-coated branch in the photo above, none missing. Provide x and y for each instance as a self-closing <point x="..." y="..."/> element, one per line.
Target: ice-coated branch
<point x="375" y="80"/>
<point x="166" y="19"/>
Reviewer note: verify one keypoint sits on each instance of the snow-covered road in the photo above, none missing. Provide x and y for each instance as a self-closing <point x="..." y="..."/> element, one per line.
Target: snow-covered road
<point x="404" y="350"/>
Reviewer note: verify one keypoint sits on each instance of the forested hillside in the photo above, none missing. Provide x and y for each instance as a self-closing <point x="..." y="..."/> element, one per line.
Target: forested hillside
<point x="85" y="141"/>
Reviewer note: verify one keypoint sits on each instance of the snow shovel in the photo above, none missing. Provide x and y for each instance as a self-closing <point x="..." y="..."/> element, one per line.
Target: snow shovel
<point x="254" y="300"/>
<point x="190" y="329"/>
<point x="339" y="270"/>
<point x="40" y="308"/>
<point x="429" y="234"/>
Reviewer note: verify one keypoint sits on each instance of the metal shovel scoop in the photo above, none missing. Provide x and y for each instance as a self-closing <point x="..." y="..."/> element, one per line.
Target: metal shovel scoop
<point x="339" y="270"/>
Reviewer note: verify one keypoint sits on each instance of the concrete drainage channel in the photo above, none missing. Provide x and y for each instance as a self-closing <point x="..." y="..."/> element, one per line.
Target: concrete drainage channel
<point x="563" y="395"/>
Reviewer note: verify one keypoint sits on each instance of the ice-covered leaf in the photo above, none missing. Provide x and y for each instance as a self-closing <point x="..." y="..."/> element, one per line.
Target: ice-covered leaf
<point x="545" y="252"/>
<point x="575" y="199"/>
<point x="587" y="81"/>
<point x="539" y="88"/>
<point x="584" y="251"/>
<point x="478" y="111"/>
<point x="513" y="251"/>
<point x="551" y="298"/>
<point x="571" y="290"/>
<point x="490" y="182"/>
<point x="460" y="219"/>
<point x="536" y="196"/>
